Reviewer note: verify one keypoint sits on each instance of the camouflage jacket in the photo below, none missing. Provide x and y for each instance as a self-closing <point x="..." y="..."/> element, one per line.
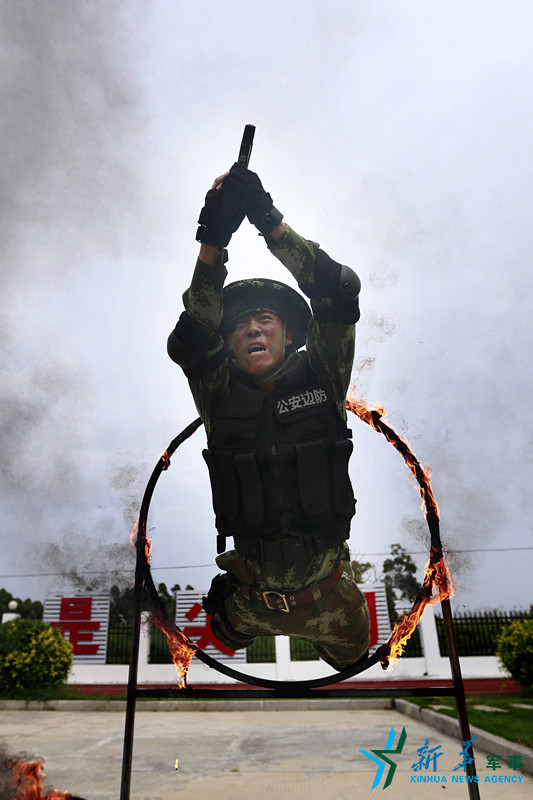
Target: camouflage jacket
<point x="330" y="347"/>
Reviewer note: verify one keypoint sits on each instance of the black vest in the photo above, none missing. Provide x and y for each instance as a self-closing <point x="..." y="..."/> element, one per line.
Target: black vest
<point x="278" y="464"/>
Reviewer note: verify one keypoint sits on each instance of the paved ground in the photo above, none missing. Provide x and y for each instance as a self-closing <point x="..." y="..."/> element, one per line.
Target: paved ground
<point x="253" y="755"/>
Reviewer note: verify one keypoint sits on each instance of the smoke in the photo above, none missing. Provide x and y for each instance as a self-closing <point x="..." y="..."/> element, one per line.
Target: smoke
<point x="86" y="556"/>
<point x="125" y="479"/>
<point x="6" y="786"/>
<point x="415" y="532"/>
<point x="90" y="564"/>
<point x="379" y="328"/>
<point x="415" y="170"/>
<point x="69" y="116"/>
<point x="33" y="432"/>
<point x="72" y="205"/>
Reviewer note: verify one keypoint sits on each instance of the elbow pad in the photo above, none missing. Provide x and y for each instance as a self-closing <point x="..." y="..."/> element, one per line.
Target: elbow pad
<point x="188" y="345"/>
<point x="339" y="284"/>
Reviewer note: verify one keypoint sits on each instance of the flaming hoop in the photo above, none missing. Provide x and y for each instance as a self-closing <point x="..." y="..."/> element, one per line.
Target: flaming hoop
<point x="435" y="588"/>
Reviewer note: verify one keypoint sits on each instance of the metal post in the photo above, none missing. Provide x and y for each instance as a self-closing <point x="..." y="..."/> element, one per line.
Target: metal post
<point x="142" y="569"/>
<point x="127" y="754"/>
<point x="453" y="656"/>
<point x="460" y="699"/>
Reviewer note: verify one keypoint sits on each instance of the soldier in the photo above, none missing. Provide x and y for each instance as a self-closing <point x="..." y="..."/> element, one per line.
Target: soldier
<point x="275" y="418"/>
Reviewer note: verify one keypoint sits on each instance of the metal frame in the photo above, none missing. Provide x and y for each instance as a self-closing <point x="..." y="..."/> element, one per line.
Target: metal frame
<point x="269" y="688"/>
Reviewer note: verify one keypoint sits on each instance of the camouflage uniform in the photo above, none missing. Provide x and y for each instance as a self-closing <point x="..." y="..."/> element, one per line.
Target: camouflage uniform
<point x="336" y="624"/>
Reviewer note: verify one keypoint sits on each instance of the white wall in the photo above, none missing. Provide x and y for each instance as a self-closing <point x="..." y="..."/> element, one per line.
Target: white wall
<point x="430" y="665"/>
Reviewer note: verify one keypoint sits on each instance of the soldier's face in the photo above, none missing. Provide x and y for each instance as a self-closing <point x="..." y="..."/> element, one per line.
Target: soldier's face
<point x="259" y="342"/>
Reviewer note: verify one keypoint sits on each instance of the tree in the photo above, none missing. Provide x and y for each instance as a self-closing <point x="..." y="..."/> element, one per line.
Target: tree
<point x="167" y="599"/>
<point x="360" y="570"/>
<point x="170" y="599"/>
<point x="28" y="609"/>
<point x="121" y="608"/>
<point x="399" y="578"/>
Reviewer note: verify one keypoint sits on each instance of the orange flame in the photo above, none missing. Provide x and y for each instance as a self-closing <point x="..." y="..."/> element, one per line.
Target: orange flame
<point x="437" y="584"/>
<point x="147" y="549"/>
<point x="147" y="541"/>
<point x="134" y="533"/>
<point x="181" y="648"/>
<point x="373" y="415"/>
<point x="27" y="780"/>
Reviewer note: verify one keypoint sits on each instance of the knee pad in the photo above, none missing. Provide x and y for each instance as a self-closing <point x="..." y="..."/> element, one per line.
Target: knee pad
<point x="341" y="285"/>
<point x="187" y="346"/>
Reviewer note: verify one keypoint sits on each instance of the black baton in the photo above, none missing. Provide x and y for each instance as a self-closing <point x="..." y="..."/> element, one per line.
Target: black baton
<point x="246" y="146"/>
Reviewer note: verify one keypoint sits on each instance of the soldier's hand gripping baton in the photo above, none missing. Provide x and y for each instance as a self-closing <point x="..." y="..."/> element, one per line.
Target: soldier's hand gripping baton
<point x="246" y="146"/>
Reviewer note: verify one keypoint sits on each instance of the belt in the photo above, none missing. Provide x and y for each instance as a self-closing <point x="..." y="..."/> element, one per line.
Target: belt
<point x="276" y="601"/>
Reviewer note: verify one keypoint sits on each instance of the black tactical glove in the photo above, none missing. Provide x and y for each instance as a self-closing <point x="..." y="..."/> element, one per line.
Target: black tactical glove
<point x="221" y="588"/>
<point x="258" y="204"/>
<point x="221" y="215"/>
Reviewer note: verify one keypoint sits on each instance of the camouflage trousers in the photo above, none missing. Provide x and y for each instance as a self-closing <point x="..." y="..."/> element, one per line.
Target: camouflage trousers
<point x="337" y="624"/>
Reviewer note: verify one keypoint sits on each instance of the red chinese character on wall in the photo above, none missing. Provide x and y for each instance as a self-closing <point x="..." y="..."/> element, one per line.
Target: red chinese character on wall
<point x="76" y="624"/>
<point x="371" y="602"/>
<point x="204" y="632"/>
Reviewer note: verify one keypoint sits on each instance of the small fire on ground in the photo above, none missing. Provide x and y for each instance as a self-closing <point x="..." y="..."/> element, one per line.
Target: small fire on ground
<point x="26" y="779"/>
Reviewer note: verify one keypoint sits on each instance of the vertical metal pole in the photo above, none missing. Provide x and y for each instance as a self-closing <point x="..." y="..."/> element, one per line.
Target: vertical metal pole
<point x="460" y="699"/>
<point x="453" y="655"/>
<point x="127" y="753"/>
<point x="140" y="566"/>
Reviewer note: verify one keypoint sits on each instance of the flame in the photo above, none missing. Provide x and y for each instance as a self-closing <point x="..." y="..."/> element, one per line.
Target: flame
<point x="134" y="533"/>
<point x="147" y="549"/>
<point x="437" y="585"/>
<point x="147" y="541"/>
<point x="373" y="415"/>
<point x="27" y="780"/>
<point x="181" y="648"/>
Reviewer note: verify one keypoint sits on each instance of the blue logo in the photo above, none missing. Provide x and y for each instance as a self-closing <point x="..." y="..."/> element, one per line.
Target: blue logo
<point x="380" y="757"/>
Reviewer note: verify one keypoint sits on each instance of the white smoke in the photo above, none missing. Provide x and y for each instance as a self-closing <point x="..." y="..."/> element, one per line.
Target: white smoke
<point x="396" y="135"/>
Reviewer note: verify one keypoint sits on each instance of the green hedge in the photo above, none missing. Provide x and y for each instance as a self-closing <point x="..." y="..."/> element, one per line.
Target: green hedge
<point x="515" y="650"/>
<point x="34" y="657"/>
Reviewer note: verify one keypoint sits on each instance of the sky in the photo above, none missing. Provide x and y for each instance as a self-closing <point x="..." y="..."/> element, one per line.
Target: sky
<point x="397" y="135"/>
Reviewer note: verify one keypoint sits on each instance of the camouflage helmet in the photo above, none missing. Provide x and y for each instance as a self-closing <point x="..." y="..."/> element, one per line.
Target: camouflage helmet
<point x="263" y="293"/>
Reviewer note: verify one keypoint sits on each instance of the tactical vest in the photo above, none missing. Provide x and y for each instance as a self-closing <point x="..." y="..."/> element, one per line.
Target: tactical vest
<point x="278" y="464"/>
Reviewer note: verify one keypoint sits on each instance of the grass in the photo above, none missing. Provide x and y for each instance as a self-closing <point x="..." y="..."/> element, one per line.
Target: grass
<point x="60" y="693"/>
<point x="516" y="725"/>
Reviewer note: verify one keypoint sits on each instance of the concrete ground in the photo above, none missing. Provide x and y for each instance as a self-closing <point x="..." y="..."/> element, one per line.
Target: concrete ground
<point x="285" y="754"/>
